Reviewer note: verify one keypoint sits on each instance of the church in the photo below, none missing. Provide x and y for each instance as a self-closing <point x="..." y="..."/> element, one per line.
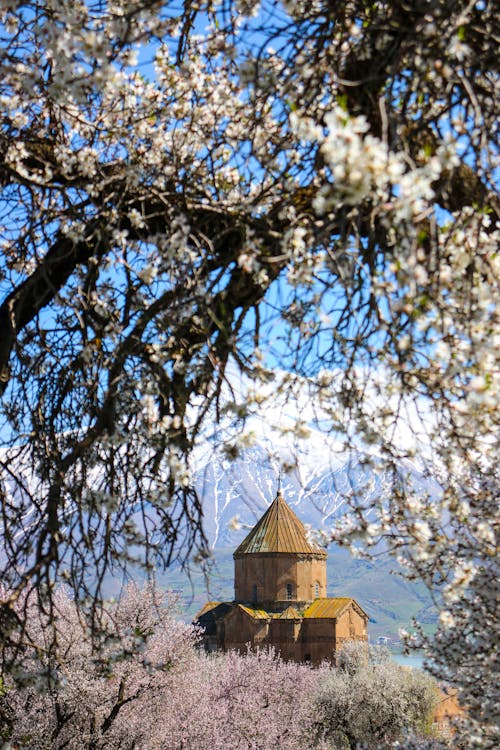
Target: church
<point x="280" y="596"/>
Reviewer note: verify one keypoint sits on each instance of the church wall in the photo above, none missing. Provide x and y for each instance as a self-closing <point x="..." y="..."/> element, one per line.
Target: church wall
<point x="283" y="636"/>
<point x="240" y="630"/>
<point x="312" y="639"/>
<point x="350" y="626"/>
<point x="318" y="640"/>
<point x="271" y="572"/>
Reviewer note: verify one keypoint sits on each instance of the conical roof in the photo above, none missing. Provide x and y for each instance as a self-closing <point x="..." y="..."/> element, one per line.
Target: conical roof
<point x="279" y="530"/>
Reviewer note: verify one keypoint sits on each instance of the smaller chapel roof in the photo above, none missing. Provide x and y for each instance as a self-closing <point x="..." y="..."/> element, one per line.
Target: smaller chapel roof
<point x="279" y="530"/>
<point x="290" y="613"/>
<point x="210" y="614"/>
<point x="331" y="608"/>
<point x="257" y="614"/>
<point x="208" y="607"/>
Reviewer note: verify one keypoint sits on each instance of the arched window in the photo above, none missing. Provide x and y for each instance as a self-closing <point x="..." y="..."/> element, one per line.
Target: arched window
<point x="289" y="592"/>
<point x="316" y="590"/>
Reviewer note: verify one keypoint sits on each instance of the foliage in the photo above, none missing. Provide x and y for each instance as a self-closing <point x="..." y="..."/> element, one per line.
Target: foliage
<point x="194" y="191"/>
<point x="75" y="697"/>
<point x="161" y="692"/>
<point x="250" y="701"/>
<point x="372" y="701"/>
<point x="165" y="693"/>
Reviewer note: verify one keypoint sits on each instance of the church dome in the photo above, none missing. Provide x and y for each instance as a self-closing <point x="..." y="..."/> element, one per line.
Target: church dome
<point x="279" y="530"/>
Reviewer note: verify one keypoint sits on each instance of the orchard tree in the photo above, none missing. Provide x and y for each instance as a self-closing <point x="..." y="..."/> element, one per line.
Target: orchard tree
<point x="240" y="701"/>
<point x="195" y="191"/>
<point x="372" y="701"/>
<point x="73" y="697"/>
<point x="150" y="688"/>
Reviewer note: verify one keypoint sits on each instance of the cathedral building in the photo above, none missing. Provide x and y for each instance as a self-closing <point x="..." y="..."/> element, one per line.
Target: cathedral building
<point x="280" y="596"/>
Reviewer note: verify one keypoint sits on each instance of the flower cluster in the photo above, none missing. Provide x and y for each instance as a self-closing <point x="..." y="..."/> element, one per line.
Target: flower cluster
<point x="191" y="191"/>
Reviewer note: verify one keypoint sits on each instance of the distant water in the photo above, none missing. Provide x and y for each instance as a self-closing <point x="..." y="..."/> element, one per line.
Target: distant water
<point x="408" y="660"/>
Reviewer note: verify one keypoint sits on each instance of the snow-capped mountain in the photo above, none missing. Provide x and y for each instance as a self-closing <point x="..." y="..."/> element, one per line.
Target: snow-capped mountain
<point x="290" y="441"/>
<point x="237" y="466"/>
<point x="235" y="493"/>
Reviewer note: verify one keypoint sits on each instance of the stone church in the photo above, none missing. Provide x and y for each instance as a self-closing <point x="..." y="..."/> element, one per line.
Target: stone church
<point x="280" y="596"/>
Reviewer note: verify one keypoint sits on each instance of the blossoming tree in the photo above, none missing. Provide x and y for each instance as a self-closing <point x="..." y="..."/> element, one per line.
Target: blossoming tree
<point x="230" y="183"/>
<point x="166" y="694"/>
<point x="74" y="697"/>
<point x="350" y="710"/>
